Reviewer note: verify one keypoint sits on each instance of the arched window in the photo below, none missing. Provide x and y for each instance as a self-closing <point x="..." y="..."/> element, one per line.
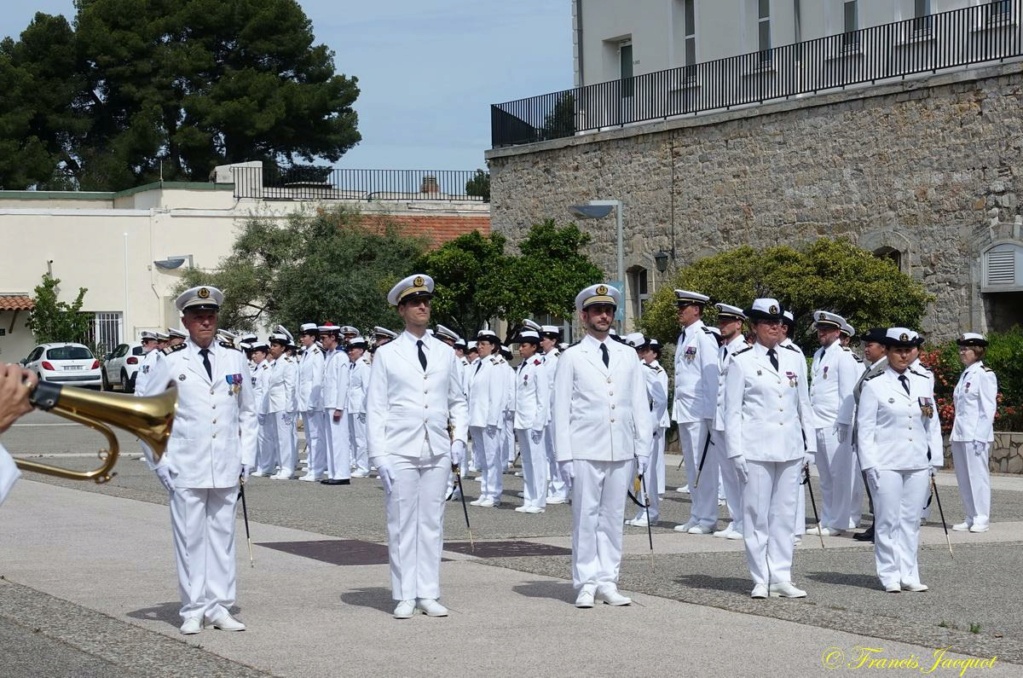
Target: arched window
<point x="890" y="253"/>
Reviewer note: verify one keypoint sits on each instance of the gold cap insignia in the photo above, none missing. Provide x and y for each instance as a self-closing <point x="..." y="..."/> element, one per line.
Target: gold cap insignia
<point x="903" y="337"/>
<point x="773" y="309"/>
<point x="203" y="293"/>
<point x="418" y="282"/>
<point x="601" y="290"/>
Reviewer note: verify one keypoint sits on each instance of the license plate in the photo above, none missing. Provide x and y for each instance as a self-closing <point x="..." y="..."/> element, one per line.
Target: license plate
<point x="68" y="368"/>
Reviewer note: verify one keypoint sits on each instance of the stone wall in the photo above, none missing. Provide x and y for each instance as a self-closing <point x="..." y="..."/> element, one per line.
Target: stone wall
<point x="1006" y="453"/>
<point x="930" y="168"/>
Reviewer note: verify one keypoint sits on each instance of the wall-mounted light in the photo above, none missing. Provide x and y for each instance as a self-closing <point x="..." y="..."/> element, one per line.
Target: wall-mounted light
<point x="661" y="261"/>
<point x="170" y="263"/>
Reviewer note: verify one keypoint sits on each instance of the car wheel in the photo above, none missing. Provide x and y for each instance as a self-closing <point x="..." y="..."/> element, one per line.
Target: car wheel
<point x="125" y="383"/>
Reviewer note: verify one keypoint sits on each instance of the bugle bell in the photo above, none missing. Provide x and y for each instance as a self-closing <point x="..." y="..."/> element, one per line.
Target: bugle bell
<point x="148" y="418"/>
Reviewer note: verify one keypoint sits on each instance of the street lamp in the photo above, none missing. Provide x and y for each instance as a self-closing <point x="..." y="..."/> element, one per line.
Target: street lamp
<point x="661" y="261"/>
<point x="598" y="209"/>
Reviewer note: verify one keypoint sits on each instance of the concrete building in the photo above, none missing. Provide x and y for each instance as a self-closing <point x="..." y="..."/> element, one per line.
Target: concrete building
<point x="718" y="123"/>
<point x="129" y="248"/>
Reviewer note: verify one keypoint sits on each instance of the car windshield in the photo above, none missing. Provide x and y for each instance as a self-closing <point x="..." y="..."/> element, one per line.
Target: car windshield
<point x="69" y="353"/>
<point x="137" y="350"/>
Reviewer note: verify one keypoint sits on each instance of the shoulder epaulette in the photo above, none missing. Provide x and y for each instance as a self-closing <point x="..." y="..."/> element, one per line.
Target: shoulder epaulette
<point x="740" y="352"/>
<point x="791" y="347"/>
<point x="264" y="365"/>
<point x="919" y="374"/>
<point x="225" y="344"/>
<point x="315" y="350"/>
<point x="873" y="376"/>
<point x="655" y="368"/>
<point x="706" y="330"/>
<point x="172" y="349"/>
<point x="986" y="368"/>
<point x="857" y="358"/>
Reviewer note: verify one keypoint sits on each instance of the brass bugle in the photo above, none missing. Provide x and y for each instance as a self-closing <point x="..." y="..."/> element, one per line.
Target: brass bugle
<point x="148" y="418"/>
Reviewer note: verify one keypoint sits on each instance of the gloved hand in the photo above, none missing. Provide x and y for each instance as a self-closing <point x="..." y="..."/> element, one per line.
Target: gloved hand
<point x="288" y="419"/>
<point x="642" y="464"/>
<point x="362" y="417"/>
<point x="457" y="453"/>
<point x="492" y="431"/>
<point x="979" y="447"/>
<point x="245" y="473"/>
<point x="166" y="476"/>
<point x="741" y="470"/>
<point x="657" y="433"/>
<point x="934" y="470"/>
<point x="386" y="476"/>
<point x="873" y="476"/>
<point x="566" y="471"/>
<point x="509" y="415"/>
<point x="809" y="458"/>
<point x="536" y="437"/>
<point x="261" y="418"/>
<point x="842" y="430"/>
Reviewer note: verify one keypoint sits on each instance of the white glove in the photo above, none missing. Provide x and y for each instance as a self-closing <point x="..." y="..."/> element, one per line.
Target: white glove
<point x="873" y="476"/>
<point x="362" y="417"/>
<point x="245" y="473"/>
<point x="642" y="464"/>
<point x="166" y="476"/>
<point x="979" y="448"/>
<point x="457" y="453"/>
<point x="536" y="437"/>
<point x="492" y="431"/>
<point x="842" y="430"/>
<point x="934" y="470"/>
<point x="566" y="471"/>
<point x="288" y="419"/>
<point x="386" y="476"/>
<point x="509" y="415"/>
<point x="810" y="458"/>
<point x="741" y="470"/>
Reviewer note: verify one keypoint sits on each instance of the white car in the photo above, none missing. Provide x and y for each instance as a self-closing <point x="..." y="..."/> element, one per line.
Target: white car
<point x="72" y="364"/>
<point x="121" y="365"/>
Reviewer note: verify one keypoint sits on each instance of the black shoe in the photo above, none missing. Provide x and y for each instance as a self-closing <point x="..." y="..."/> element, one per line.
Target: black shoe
<point x="866" y="535"/>
<point x="332" y="481"/>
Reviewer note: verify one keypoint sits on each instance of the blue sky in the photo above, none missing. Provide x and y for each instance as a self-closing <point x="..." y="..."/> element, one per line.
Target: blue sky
<point x="428" y="69"/>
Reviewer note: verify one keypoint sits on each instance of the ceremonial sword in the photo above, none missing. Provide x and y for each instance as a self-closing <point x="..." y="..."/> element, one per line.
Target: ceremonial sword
<point x="703" y="458"/>
<point x="934" y="489"/>
<point x="245" y="515"/>
<point x="465" y="510"/>
<point x="813" y="503"/>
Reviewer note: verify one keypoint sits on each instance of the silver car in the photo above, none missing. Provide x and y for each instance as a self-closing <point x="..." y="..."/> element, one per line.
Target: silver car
<point x="65" y="364"/>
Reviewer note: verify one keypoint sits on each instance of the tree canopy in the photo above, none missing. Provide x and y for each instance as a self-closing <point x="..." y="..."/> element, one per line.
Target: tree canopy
<point x="826" y="274"/>
<point x="53" y="320"/>
<point x="137" y="91"/>
<point x="328" y="266"/>
<point x="477" y="281"/>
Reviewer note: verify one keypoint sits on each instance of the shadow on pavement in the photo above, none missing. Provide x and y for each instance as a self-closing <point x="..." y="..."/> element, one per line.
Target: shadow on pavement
<point x="165" y="612"/>
<point x="703" y="581"/>
<point x="861" y="581"/>
<point x="554" y="590"/>
<point x="375" y="598"/>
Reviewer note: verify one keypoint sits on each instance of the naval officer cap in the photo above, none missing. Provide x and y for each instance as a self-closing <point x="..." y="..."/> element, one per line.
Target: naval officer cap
<point x="147" y="336"/>
<point x="827" y="320"/>
<point x="460" y="343"/>
<point x="160" y="336"/>
<point x="443" y="332"/>
<point x="358" y="342"/>
<point x="875" y="335"/>
<point x="601" y="293"/>
<point x="329" y="328"/>
<point x="847" y="329"/>
<point x="972" y="339"/>
<point x="765" y="308"/>
<point x="635" y="340"/>
<point x="384" y="332"/>
<point x="202" y="298"/>
<point x="532" y="325"/>
<point x="901" y="337"/>
<point x="173" y="332"/>
<point x="487" y="334"/>
<point x="259" y="346"/>
<point x="788" y="320"/>
<point x="687" y="298"/>
<point x="349" y="330"/>
<point x="528" y="337"/>
<point x="729" y="312"/>
<point x="471" y="346"/>
<point x="308" y="328"/>
<point x="416" y="286"/>
<point x="550" y="331"/>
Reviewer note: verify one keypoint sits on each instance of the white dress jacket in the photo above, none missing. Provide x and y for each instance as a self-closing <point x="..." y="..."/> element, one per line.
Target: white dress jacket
<point x="975" y="398"/>
<point x="895" y="430"/>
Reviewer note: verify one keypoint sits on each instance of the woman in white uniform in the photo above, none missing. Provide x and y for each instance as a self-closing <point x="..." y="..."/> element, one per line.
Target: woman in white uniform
<point x="900" y="445"/>
<point x="973" y="431"/>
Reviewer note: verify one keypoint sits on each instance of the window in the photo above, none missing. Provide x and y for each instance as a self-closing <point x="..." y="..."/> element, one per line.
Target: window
<point x="922" y="21"/>
<point x="105" y="331"/>
<point x="640" y="291"/>
<point x="625" y="67"/>
<point x="891" y="254"/>
<point x="999" y="11"/>
<point x="690" y="34"/>
<point x="851" y="26"/>
<point x="764" y="29"/>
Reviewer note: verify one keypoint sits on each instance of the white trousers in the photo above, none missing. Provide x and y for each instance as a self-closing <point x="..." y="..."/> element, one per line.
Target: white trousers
<point x="487" y="449"/>
<point x="598" y="518"/>
<point x="534" y="468"/>
<point x="835" y="466"/>
<point x="897" y="501"/>
<point x="415" y="525"/>
<point x="357" y="435"/>
<point x="658" y="448"/>
<point x="769" y="516"/>
<point x="693" y="437"/>
<point x="557" y="487"/>
<point x="339" y="447"/>
<point x="315" y="442"/>
<point x="974" y="478"/>
<point x="202" y="520"/>
<point x="267" y="450"/>
<point x="729" y="481"/>
<point x="287" y="444"/>
<point x="857" y="491"/>
<point x="649" y="496"/>
<point x="507" y="435"/>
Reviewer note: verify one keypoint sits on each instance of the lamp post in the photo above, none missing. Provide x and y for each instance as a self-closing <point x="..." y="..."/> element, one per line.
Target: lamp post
<point x="598" y="209"/>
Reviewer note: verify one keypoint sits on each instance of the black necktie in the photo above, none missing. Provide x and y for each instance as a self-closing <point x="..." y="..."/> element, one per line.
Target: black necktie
<point x="774" y="358"/>
<point x="682" y="340"/>
<point x="905" y="382"/>
<point x="604" y="356"/>
<point x="479" y="364"/>
<point x="422" y="354"/>
<point x="205" y="353"/>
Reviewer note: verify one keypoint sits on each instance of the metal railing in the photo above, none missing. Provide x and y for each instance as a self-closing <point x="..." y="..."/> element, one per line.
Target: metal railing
<point x="316" y="183"/>
<point x="985" y="33"/>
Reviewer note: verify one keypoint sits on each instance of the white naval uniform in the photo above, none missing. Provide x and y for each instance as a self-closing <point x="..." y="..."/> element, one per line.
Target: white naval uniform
<point x="895" y="435"/>
<point x="8" y="473"/>
<point x="556" y="488"/>
<point x="696" y="387"/>
<point x="309" y="400"/>
<point x="800" y="493"/>
<point x="661" y="431"/>
<point x="975" y="398"/>
<point x="767" y="415"/>
<point x="507" y="433"/>
<point x="335" y="396"/>
<point x="601" y="422"/>
<point x="281" y="408"/>
<point x="834" y="374"/>
<point x="729" y="479"/>
<point x="408" y="412"/>
<point x="266" y="446"/>
<point x="142" y="376"/>
<point x="214" y="435"/>
<point x="487" y="393"/>
<point x="355" y="410"/>
<point x="532" y="405"/>
<point x="657" y="396"/>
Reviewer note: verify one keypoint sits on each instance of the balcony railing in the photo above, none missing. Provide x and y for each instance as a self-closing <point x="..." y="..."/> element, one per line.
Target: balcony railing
<point x="985" y="33"/>
<point x="315" y="183"/>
